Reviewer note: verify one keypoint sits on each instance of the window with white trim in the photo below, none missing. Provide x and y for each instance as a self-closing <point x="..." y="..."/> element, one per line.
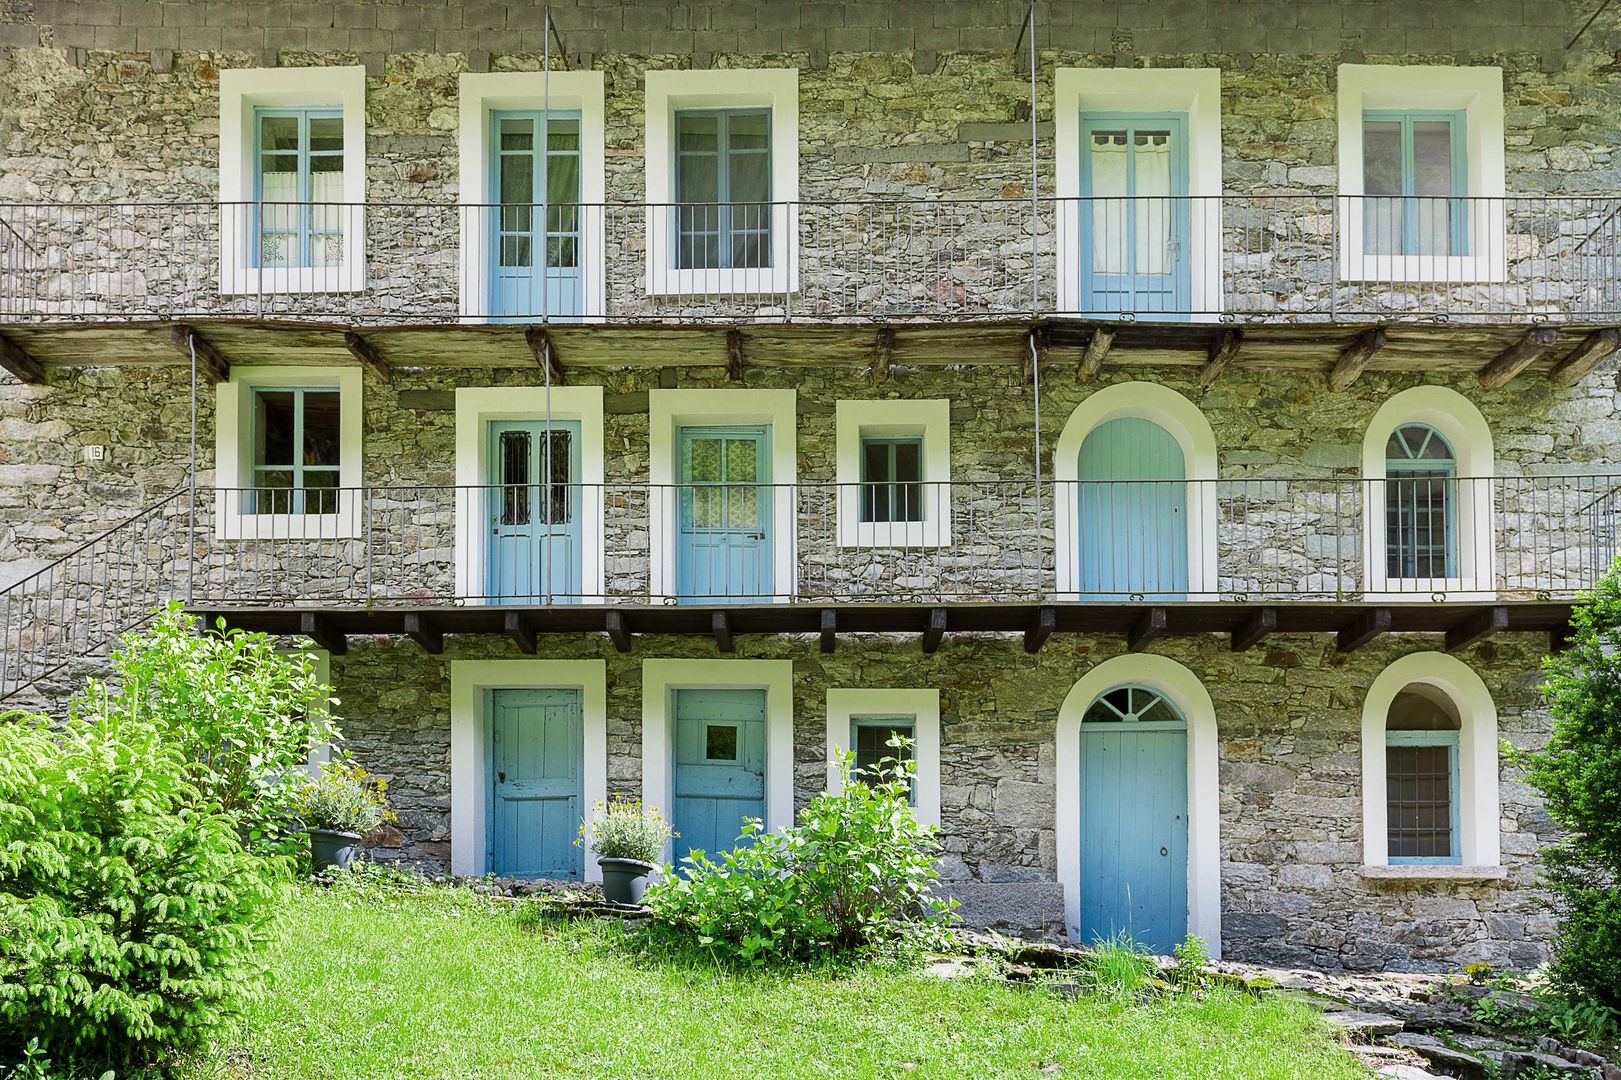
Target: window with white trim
<point x="1421" y="516"/>
<point x="298" y="187"/>
<point x="863" y="720"/>
<point x="893" y="469"/>
<point x="1421" y="777"/>
<point x="296" y="436"/>
<point x="723" y="188"/>
<point x="874" y="739"/>
<point x="1414" y="177"/>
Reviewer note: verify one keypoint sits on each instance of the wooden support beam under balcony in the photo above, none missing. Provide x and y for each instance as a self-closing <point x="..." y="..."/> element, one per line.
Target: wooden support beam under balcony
<point x="734" y="355"/>
<point x="23" y="367"/>
<point x="210" y="364"/>
<point x="1580" y="362"/>
<point x="883" y="355"/>
<point x="521" y="629"/>
<point x="320" y="629"/>
<point x="1364" y="628"/>
<point x="618" y="630"/>
<point x="1356" y="357"/>
<point x="1222" y="354"/>
<point x="544" y="351"/>
<point x="935" y="631"/>
<point x="367" y="354"/>
<point x="1149" y="625"/>
<point x="1255" y="629"/>
<point x="1092" y="357"/>
<point x="720" y="625"/>
<point x="1531" y="346"/>
<point x="1477" y="627"/>
<point x="829" y="631"/>
<point x="421" y="629"/>
<point x="1045" y="624"/>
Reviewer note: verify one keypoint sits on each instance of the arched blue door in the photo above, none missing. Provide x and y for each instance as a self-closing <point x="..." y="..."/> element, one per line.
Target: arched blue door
<point x="1132" y="504"/>
<point x="1134" y="820"/>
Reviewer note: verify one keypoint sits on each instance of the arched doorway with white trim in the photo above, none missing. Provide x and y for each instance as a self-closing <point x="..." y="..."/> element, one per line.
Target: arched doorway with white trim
<point x="1124" y="725"/>
<point x="1134" y="497"/>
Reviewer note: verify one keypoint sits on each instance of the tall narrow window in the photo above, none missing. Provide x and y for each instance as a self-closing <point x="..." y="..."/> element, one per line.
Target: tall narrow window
<point x="1414" y="177"/>
<point x="1421" y="778"/>
<point x="295" y="451"/>
<point x="891" y="479"/>
<point x="723" y="186"/>
<point x="1420" y="504"/>
<point x="871" y="737"/>
<point x="298" y="187"/>
<point x="528" y="182"/>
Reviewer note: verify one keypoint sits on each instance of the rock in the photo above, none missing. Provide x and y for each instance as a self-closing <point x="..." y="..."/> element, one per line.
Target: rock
<point x="1405" y="1072"/>
<point x="1364" y="1024"/>
<point x="1524" y="1065"/>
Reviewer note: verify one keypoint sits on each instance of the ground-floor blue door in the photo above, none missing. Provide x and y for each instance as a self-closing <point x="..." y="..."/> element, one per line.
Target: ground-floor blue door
<point x="719" y="766"/>
<point x="533" y="500"/>
<point x="723" y="507"/>
<point x="1134" y="821"/>
<point x="536" y="764"/>
<point x="1132" y="503"/>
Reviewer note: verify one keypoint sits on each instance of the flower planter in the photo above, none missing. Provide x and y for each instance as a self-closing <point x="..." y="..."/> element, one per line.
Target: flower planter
<point x="624" y="880"/>
<point x="331" y="848"/>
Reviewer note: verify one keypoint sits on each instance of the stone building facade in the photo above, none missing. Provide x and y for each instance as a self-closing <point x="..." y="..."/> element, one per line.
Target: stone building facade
<point x="107" y="108"/>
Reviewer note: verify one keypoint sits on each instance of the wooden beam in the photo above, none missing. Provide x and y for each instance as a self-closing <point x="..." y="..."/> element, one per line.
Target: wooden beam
<point x="1035" y="353"/>
<point x="367" y="354"/>
<point x="721" y="627"/>
<point x="420" y="629"/>
<point x="15" y="359"/>
<point x="1592" y="351"/>
<point x="618" y="630"/>
<point x="1354" y="359"/>
<point x="883" y="354"/>
<point x="1222" y="353"/>
<point x="209" y="361"/>
<point x="1092" y="357"/>
<point x="1149" y="626"/>
<point x="520" y="630"/>
<point x="1255" y="629"/>
<point x="1525" y="351"/>
<point x="320" y="630"/>
<point x="1363" y="629"/>
<point x="734" y="355"/>
<point x="830" y="630"/>
<point x="544" y="352"/>
<point x="1477" y="627"/>
<point x="935" y="632"/>
<point x="1041" y="629"/>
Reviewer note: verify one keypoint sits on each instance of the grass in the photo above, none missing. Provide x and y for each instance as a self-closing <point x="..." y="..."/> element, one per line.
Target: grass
<point x="445" y="985"/>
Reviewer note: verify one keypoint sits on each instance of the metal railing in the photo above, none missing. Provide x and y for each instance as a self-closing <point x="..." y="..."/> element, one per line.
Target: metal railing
<point x="1406" y="537"/>
<point x="1290" y="258"/>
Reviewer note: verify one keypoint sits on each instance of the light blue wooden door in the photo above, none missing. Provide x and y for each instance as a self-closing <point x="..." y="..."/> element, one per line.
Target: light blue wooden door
<point x="536" y="222"/>
<point x="1132" y="501"/>
<point x="1134" y="827"/>
<point x="1134" y="215"/>
<point x="723" y="544"/>
<point x="535" y="771"/>
<point x="533" y="507"/>
<point x="719" y="766"/>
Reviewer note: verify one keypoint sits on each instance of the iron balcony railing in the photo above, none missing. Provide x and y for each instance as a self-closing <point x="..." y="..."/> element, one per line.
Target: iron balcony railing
<point x="1416" y="538"/>
<point x="1286" y="257"/>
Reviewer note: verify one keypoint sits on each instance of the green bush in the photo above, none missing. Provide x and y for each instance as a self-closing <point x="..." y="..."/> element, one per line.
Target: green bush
<point x="1578" y="775"/>
<point x="852" y="876"/>
<point x="343" y="798"/>
<point x="624" y="829"/>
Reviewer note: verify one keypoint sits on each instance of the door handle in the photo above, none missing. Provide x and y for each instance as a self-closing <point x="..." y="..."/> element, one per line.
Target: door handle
<point x="1162" y="851"/>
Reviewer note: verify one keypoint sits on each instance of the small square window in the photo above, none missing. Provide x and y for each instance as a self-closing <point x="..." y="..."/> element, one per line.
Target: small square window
<point x="891" y="479"/>
<point x="720" y="742"/>
<point x="872" y="738"/>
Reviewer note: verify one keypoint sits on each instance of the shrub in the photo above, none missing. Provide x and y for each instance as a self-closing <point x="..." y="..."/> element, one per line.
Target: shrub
<point x="852" y="876"/>
<point x="244" y="715"/>
<point x="132" y="914"/>
<point x="343" y="798"/>
<point x="1578" y="775"/>
<point x="623" y="829"/>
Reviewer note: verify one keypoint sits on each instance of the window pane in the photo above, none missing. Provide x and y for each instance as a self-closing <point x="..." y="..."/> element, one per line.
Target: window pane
<point x="1381" y="157"/>
<point x="273" y="428"/>
<point x="908" y="461"/>
<point x="517" y="134"/>
<point x="562" y="134"/>
<point x="875" y="461"/>
<point x="697" y="131"/>
<point x="700" y="183"/>
<point x="559" y="505"/>
<point x="514" y="466"/>
<point x="320" y="491"/>
<point x="1432" y="158"/>
<point x="720" y="742"/>
<point x="321" y="423"/>
<point x="326" y="134"/>
<point x="1419" y="801"/>
<point x="748" y="131"/>
<point x="872" y="746"/>
<point x="278" y="133"/>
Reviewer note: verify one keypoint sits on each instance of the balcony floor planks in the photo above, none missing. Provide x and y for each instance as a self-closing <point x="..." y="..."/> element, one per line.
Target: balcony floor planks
<point x="1444" y="348"/>
<point x="698" y="620"/>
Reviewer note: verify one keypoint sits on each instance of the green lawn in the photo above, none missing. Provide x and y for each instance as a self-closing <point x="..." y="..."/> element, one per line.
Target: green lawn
<point x="436" y="986"/>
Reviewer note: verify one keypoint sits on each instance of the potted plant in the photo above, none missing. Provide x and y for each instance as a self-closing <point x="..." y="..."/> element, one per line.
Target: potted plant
<point x="338" y="808"/>
<point x="627" y="839"/>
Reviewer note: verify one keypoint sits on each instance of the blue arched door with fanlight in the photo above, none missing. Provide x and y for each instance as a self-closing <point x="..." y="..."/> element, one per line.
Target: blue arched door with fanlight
<point x="1132" y="508"/>
<point x="1134" y="819"/>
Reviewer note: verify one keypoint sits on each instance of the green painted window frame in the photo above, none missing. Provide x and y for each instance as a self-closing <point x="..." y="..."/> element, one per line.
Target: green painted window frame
<point x="896" y="722"/>
<point x="1450" y="740"/>
<point x="1458" y="211"/>
<point x="690" y="211"/>
<point x="267" y="499"/>
<point x="306" y="212"/>
<point x="889" y="499"/>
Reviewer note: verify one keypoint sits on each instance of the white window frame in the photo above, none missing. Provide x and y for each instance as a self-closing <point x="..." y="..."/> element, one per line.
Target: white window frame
<point x="482" y="93"/>
<point x="1195" y="92"/>
<point x="927" y="419"/>
<point x="244" y="90"/>
<point x="233" y="455"/>
<point x="1462" y="425"/>
<point x="1478" y="805"/>
<point x="662" y="677"/>
<point x="469" y="796"/>
<point x="846" y="705"/>
<point x="1477" y="92"/>
<point x="671" y="410"/>
<point x="476" y="407"/>
<point x="776" y="89"/>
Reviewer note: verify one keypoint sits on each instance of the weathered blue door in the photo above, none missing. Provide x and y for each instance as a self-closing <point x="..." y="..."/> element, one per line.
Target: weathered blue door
<point x="533" y="502"/>
<point x="1134" y="215"/>
<point x="535" y="224"/>
<point x="536" y="745"/>
<point x="1132" y="502"/>
<point x="723" y="545"/>
<point x="1134" y="827"/>
<point x="719" y="766"/>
